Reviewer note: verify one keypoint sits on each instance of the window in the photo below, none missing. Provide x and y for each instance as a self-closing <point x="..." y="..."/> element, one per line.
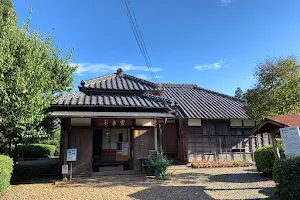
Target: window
<point x="240" y="131"/>
<point x="209" y="129"/>
<point x="216" y="128"/>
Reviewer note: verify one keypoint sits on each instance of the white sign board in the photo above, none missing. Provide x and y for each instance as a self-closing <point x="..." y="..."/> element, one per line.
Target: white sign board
<point x="71" y="154"/>
<point x="65" y="169"/>
<point x="291" y="140"/>
<point x="124" y="148"/>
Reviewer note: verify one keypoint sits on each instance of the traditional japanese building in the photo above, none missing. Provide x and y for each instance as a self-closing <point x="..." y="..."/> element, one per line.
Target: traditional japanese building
<point x="118" y="119"/>
<point x="113" y="120"/>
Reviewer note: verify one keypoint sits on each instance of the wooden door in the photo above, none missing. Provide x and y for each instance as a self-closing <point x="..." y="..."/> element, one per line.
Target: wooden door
<point x="143" y="141"/>
<point x="82" y="140"/>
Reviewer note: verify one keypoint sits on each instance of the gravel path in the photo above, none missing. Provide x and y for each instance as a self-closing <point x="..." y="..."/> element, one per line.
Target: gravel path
<point x="184" y="183"/>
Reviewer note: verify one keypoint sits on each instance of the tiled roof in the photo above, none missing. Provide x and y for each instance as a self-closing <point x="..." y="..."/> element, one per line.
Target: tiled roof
<point x="289" y="120"/>
<point x="196" y="102"/>
<point x="118" y="81"/>
<point x="109" y="99"/>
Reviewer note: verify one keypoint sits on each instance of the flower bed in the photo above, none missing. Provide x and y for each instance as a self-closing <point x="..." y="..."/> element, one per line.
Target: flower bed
<point x="201" y="164"/>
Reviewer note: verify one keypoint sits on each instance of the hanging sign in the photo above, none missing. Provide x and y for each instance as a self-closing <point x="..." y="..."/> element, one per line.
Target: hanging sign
<point x="65" y="169"/>
<point x="71" y="154"/>
<point x="291" y="140"/>
<point x="113" y="122"/>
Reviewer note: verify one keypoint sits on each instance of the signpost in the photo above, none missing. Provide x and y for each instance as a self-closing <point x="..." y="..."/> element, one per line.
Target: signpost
<point x="71" y="157"/>
<point x="291" y="140"/>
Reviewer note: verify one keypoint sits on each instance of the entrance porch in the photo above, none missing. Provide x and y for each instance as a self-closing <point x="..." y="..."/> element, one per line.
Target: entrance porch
<point x="115" y="144"/>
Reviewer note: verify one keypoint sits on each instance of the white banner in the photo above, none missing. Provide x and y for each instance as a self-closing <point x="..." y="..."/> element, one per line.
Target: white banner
<point x="291" y="140"/>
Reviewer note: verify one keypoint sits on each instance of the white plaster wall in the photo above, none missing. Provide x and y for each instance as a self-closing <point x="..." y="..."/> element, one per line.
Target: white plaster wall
<point x="249" y="122"/>
<point x="194" y="122"/>
<point x="236" y="122"/>
<point x="145" y="122"/>
<point x="80" y="121"/>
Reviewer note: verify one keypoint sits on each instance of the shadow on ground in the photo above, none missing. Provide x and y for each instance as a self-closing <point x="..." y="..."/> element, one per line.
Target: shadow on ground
<point x="42" y="170"/>
<point x="238" y="178"/>
<point x="190" y="192"/>
<point x="172" y="192"/>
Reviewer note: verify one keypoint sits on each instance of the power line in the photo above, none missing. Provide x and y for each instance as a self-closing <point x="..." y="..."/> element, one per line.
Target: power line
<point x="139" y="39"/>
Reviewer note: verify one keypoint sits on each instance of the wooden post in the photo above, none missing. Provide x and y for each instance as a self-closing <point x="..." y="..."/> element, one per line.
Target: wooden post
<point x="155" y="139"/>
<point x="160" y="138"/>
<point x="274" y="144"/>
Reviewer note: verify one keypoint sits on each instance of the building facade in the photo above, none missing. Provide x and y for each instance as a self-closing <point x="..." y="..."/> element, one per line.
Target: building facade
<point x="118" y="119"/>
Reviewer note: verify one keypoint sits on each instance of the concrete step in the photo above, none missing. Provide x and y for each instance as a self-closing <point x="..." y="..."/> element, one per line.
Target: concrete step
<point x="108" y="173"/>
<point x="111" y="168"/>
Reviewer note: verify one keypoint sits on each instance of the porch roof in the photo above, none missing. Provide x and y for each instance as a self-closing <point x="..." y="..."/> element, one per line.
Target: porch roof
<point x="273" y="124"/>
<point x="141" y="115"/>
<point x="112" y="100"/>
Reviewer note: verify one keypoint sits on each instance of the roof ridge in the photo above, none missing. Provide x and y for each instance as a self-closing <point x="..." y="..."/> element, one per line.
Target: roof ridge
<point x="221" y="94"/>
<point x="178" y="85"/>
<point x="139" y="79"/>
<point x="89" y="81"/>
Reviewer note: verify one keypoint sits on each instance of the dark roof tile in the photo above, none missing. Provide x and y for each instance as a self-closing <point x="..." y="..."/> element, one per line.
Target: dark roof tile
<point x="108" y="99"/>
<point x="196" y="102"/>
<point x="122" y="82"/>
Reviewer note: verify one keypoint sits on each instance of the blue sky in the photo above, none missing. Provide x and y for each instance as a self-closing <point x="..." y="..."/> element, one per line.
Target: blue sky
<point x="213" y="43"/>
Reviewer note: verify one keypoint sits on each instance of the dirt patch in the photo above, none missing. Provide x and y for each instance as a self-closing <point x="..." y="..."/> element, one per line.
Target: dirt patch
<point x="184" y="183"/>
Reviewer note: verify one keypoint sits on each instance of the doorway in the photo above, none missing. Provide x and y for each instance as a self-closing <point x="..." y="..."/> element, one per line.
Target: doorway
<point x="97" y="144"/>
<point x="111" y="147"/>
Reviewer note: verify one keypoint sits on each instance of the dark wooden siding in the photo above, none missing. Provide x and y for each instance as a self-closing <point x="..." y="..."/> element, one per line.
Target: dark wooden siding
<point x="183" y="141"/>
<point x="169" y="136"/>
<point x="82" y="140"/>
<point x="217" y="147"/>
<point x="143" y="142"/>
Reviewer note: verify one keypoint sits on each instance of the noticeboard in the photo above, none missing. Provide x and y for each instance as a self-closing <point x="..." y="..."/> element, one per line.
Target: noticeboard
<point x="71" y="154"/>
<point x="291" y="140"/>
<point x="65" y="169"/>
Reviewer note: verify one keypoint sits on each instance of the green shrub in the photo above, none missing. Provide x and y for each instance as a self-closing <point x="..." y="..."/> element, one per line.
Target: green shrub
<point x="160" y="164"/>
<point x="6" y="169"/>
<point x="55" y="143"/>
<point x="264" y="159"/>
<point x="36" y="150"/>
<point x="286" y="173"/>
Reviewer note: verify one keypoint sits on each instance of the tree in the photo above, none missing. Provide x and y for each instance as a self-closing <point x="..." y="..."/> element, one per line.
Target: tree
<point x="33" y="73"/>
<point x="239" y="93"/>
<point x="6" y="9"/>
<point x="277" y="91"/>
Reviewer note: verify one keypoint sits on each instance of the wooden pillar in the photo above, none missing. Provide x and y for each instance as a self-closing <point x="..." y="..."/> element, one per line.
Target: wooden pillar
<point x="155" y="139"/>
<point x="160" y="138"/>
<point x="274" y="144"/>
<point x="65" y="139"/>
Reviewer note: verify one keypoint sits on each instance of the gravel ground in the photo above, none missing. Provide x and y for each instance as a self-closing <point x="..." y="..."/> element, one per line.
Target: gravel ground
<point x="184" y="183"/>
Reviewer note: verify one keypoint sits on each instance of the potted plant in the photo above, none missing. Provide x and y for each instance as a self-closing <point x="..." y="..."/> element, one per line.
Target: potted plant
<point x="159" y="165"/>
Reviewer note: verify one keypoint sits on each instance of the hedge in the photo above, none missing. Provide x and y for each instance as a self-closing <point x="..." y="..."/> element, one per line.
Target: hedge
<point x="264" y="159"/>
<point x="286" y="173"/>
<point x="36" y="150"/>
<point x="6" y="169"/>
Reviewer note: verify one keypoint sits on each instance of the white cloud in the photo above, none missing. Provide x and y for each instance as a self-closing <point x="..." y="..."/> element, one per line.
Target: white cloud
<point x="100" y="68"/>
<point x="225" y="2"/>
<point x="204" y="67"/>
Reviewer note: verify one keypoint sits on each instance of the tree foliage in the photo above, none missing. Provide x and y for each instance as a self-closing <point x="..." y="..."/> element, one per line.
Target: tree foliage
<point x="33" y="73"/>
<point x="239" y="93"/>
<point x="6" y="10"/>
<point x="277" y="91"/>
